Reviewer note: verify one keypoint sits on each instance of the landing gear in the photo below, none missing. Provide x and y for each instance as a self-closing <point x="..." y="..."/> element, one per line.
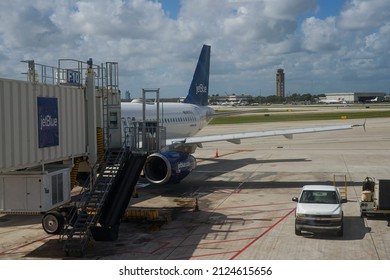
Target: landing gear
<point x="53" y="222"/>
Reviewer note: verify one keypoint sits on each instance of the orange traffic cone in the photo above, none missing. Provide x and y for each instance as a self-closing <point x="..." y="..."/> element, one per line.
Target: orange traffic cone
<point x="216" y="153"/>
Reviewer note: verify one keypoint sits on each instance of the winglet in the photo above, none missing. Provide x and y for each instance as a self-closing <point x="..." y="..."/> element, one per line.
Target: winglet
<point x="363" y="125"/>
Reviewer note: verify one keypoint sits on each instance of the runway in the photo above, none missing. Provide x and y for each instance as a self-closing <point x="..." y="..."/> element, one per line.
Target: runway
<point x="244" y="209"/>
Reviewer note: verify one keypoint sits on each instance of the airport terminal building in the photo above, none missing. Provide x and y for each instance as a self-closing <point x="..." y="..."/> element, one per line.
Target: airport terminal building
<point x="355" y="97"/>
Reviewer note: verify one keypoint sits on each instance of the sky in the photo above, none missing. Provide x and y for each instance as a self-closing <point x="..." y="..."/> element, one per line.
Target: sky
<point x="323" y="46"/>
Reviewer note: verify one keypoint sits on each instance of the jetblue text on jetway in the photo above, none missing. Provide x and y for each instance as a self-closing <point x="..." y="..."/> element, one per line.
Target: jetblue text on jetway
<point x="47" y="122"/>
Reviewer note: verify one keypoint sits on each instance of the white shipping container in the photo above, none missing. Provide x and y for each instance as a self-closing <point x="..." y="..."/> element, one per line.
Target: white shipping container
<point x="21" y="127"/>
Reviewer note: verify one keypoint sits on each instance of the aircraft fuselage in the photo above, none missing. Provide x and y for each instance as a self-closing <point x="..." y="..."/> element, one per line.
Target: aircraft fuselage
<point x="179" y="119"/>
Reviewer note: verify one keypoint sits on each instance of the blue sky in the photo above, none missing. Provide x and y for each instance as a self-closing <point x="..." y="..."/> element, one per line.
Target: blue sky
<point x="172" y="7"/>
<point x="327" y="8"/>
<point x="323" y="46"/>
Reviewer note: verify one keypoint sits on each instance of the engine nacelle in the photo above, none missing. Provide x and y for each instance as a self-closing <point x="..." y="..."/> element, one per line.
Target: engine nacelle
<point x="168" y="167"/>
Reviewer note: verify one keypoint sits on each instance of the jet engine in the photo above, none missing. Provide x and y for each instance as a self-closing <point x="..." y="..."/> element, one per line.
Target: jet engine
<point x="168" y="167"/>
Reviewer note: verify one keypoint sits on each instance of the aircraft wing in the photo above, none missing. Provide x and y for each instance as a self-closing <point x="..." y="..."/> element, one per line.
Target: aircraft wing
<point x="236" y="137"/>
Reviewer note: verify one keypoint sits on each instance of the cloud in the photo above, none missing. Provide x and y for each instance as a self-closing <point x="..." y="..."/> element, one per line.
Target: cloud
<point x="362" y="14"/>
<point x="378" y="42"/>
<point x="320" y="35"/>
<point x="249" y="40"/>
<point x="289" y="10"/>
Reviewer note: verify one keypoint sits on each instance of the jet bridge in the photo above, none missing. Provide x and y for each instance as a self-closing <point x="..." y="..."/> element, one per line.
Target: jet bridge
<point x="51" y="125"/>
<point x="42" y="132"/>
<point x="60" y="120"/>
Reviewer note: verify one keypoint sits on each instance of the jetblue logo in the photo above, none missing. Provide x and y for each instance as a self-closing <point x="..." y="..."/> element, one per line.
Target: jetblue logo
<point x="201" y="88"/>
<point x="48" y="122"/>
<point x="183" y="165"/>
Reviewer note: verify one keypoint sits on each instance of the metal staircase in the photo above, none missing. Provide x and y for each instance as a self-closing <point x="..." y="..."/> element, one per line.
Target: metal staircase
<point x="88" y="208"/>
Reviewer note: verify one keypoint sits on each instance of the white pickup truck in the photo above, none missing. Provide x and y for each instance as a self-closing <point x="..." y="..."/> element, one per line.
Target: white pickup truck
<point x="319" y="209"/>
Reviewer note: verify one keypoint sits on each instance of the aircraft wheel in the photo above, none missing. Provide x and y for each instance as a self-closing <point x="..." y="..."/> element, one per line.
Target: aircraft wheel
<point x="53" y="222"/>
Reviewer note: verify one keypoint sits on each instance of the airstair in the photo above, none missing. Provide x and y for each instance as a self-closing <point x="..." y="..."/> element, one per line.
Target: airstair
<point x="93" y="202"/>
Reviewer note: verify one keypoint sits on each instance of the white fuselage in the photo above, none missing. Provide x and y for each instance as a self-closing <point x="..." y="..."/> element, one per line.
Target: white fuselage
<point x="179" y="119"/>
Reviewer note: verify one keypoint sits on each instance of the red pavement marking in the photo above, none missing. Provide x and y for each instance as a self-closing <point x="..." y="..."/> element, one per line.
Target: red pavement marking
<point x="261" y="235"/>
<point x="238" y="252"/>
<point x="11" y="250"/>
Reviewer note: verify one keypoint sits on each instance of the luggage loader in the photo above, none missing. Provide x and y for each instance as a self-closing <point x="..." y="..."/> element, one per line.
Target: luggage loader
<point x="375" y="197"/>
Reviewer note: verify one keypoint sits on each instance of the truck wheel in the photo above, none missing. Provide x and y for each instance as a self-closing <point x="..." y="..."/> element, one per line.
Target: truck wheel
<point x="53" y="222"/>
<point x="340" y="233"/>
<point x="297" y="231"/>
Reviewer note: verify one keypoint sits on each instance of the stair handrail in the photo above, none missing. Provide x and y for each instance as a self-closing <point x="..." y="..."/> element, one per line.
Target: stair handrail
<point x="83" y="203"/>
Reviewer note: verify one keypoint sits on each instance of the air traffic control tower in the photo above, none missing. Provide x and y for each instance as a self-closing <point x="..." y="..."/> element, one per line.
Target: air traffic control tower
<point x="280" y="83"/>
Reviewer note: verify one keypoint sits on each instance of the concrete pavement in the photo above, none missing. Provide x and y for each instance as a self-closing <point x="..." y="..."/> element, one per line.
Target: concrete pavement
<point x="244" y="200"/>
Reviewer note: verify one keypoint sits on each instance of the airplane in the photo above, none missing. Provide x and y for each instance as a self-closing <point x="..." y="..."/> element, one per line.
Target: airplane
<point x="232" y="103"/>
<point x="333" y="101"/>
<point x="183" y="120"/>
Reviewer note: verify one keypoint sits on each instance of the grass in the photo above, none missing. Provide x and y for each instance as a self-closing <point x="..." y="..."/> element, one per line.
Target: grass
<point x="310" y="116"/>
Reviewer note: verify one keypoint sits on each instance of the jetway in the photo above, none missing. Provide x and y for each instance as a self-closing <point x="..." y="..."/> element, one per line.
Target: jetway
<point x="59" y="120"/>
<point x="38" y="122"/>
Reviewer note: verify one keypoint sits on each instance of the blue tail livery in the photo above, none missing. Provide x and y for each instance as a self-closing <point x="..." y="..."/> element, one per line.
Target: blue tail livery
<point x="198" y="92"/>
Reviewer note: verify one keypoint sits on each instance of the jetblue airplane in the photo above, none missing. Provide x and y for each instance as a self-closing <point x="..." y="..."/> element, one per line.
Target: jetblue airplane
<point x="183" y="120"/>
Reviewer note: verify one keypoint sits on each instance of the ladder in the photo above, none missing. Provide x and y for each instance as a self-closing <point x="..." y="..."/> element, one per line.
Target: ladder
<point x="77" y="234"/>
<point x="341" y="183"/>
<point x="109" y="86"/>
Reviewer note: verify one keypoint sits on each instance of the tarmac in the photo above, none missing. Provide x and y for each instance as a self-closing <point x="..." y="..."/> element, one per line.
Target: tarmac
<point x="236" y="205"/>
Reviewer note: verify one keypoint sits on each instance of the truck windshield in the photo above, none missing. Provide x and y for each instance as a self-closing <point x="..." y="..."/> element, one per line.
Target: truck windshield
<point x="325" y="197"/>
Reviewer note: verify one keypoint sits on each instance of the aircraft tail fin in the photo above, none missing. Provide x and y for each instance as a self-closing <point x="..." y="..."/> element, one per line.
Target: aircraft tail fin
<point x="198" y="92"/>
